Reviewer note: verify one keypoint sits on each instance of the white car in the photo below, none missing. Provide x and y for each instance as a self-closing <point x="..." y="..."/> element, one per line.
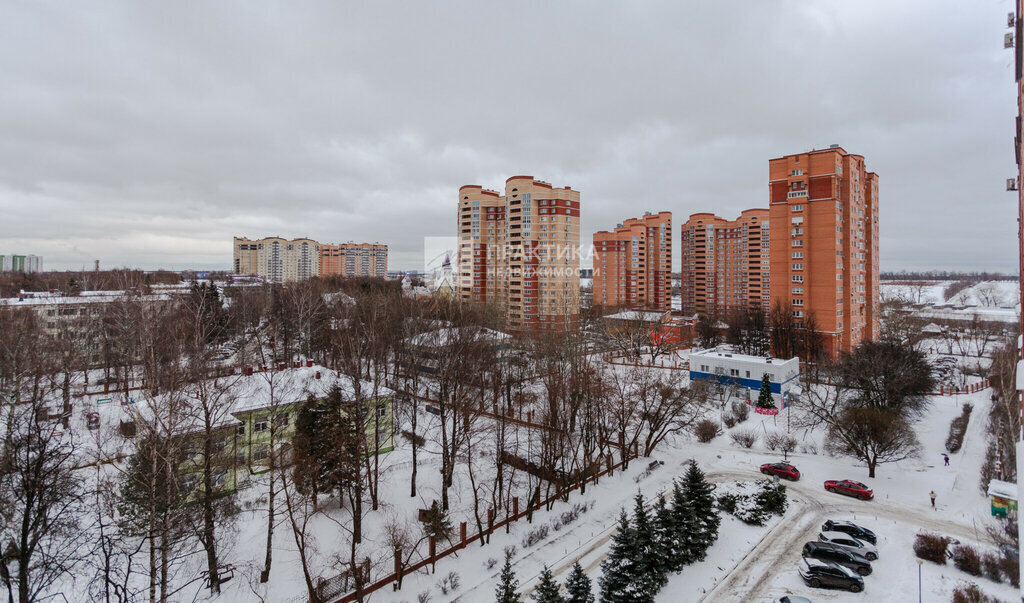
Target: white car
<point x="850" y="543"/>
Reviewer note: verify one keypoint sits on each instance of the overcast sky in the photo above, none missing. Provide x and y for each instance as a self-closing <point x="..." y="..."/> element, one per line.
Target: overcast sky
<point x="146" y="134"/>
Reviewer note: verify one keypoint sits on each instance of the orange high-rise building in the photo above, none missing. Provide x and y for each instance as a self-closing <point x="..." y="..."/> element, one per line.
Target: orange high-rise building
<point x="824" y="243"/>
<point x="521" y="252"/>
<point x="725" y="263"/>
<point x="354" y="259"/>
<point x="633" y="264"/>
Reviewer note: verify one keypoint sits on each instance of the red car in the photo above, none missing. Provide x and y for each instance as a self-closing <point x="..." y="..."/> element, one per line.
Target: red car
<point x="783" y="470"/>
<point x="849" y="488"/>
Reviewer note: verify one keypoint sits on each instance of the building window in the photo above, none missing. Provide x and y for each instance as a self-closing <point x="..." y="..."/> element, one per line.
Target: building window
<point x="260" y="453"/>
<point x="219" y="477"/>
<point x="261" y="425"/>
<point x="281" y="420"/>
<point x="241" y="430"/>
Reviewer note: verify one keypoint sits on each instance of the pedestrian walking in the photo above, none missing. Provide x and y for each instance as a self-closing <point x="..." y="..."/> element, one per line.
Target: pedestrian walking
<point x="932" y="496"/>
<point x="945" y="457"/>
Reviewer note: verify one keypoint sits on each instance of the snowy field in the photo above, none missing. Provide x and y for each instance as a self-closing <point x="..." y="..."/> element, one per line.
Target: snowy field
<point x="986" y="294"/>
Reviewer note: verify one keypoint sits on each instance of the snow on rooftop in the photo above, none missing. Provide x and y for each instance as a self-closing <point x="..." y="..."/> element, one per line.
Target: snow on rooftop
<point x="446" y="337"/>
<point x="638" y="315"/>
<point x="1002" y="489"/>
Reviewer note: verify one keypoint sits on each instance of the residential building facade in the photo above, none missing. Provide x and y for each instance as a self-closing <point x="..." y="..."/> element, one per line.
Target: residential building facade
<point x="354" y="259"/>
<point x="21" y="263"/>
<point x="521" y="252"/>
<point x="633" y="264"/>
<point x="824" y="243"/>
<point x="725" y="263"/>
<point x="276" y="259"/>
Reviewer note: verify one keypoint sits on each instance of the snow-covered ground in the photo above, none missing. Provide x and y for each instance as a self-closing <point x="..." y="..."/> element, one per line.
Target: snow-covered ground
<point x="746" y="563"/>
<point x="986" y="294"/>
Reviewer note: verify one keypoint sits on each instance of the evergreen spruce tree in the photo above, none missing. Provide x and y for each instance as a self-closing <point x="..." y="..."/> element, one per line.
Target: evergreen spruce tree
<point x="617" y="582"/>
<point x="577" y="586"/>
<point x="683" y="529"/>
<point x="651" y="570"/>
<point x="667" y="538"/>
<point x="506" y="591"/>
<point x="764" y="399"/>
<point x="547" y="589"/>
<point x="700" y="496"/>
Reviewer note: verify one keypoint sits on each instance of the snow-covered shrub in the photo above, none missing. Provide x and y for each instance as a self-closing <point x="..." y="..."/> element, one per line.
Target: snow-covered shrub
<point x="423" y="597"/>
<point x="991" y="567"/>
<point x="741" y="411"/>
<point x="957" y="429"/>
<point x="753" y="502"/>
<point x="651" y="467"/>
<point x="968" y="592"/>
<point x="420" y="440"/>
<point x="449" y="583"/>
<point x="744" y="437"/>
<point x="706" y="430"/>
<point x="809" y="448"/>
<point x="535" y="535"/>
<point x="571" y="515"/>
<point x="988" y="468"/>
<point x="490" y="563"/>
<point x="510" y="551"/>
<point x="967" y="559"/>
<point x="931" y="547"/>
<point x="1010" y="564"/>
<point x="729" y="420"/>
<point x="780" y="441"/>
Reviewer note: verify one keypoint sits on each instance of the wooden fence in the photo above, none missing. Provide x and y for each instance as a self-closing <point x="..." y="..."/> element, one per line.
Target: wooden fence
<point x="464" y="540"/>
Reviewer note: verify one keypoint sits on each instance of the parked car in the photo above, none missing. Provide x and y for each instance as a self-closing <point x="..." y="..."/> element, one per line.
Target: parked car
<point x="848" y="527"/>
<point x="850" y="543"/>
<point x="822" y="573"/>
<point x="783" y="470"/>
<point x="794" y="599"/>
<point x="827" y="551"/>
<point x="849" y="488"/>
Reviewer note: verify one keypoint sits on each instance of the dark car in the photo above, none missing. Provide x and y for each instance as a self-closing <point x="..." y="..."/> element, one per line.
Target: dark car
<point x="783" y="470"/>
<point x="825" y="551"/>
<point x="849" y="488"/>
<point x="825" y="574"/>
<point x="848" y="527"/>
<point x="794" y="599"/>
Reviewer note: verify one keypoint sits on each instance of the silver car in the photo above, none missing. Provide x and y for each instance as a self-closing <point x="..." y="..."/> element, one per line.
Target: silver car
<point x="850" y="543"/>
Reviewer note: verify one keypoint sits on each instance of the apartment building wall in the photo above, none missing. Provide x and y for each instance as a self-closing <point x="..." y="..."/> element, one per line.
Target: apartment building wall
<point x="824" y="243"/>
<point x="276" y="259"/>
<point x="725" y="263"/>
<point x="633" y="264"/>
<point x="521" y="252"/>
<point x="354" y="259"/>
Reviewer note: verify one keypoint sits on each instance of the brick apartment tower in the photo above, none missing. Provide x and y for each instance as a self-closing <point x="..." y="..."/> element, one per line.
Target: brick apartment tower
<point x="354" y="259"/>
<point x="520" y="252"/>
<point x="725" y="263"/>
<point x="276" y="259"/>
<point x="824" y="243"/>
<point x="633" y="264"/>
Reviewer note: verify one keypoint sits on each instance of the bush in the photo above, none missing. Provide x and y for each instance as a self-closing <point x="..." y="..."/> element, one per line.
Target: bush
<point x="772" y="497"/>
<point x="741" y="410"/>
<point x="420" y="440"/>
<point x="423" y="597"/>
<point x="727" y="502"/>
<point x="780" y="441"/>
<point x="967" y="559"/>
<point x="957" y="429"/>
<point x="449" y="583"/>
<point x="809" y="448"/>
<point x="730" y="420"/>
<point x="990" y="567"/>
<point x="744" y="437"/>
<point x="706" y="431"/>
<point x="535" y="535"/>
<point x="931" y="547"/>
<point x="490" y="563"/>
<point x="968" y="592"/>
<point x="1010" y="565"/>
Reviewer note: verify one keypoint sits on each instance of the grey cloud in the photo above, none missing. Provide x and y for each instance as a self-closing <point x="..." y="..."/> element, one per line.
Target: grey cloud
<point x="148" y="134"/>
